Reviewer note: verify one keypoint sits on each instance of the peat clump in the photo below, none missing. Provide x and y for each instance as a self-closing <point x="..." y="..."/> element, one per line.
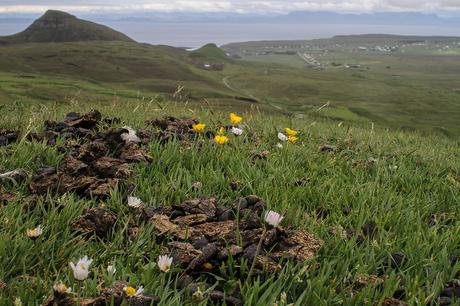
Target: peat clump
<point x="95" y="163"/>
<point x="202" y="235"/>
<point x="173" y="128"/>
<point x="7" y="137"/>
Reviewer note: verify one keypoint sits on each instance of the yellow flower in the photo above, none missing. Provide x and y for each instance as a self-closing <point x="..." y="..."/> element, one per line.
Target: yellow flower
<point x="293" y="139"/>
<point x="130" y="291"/>
<point x="290" y="132"/>
<point x="235" y="119"/>
<point x="221" y="131"/>
<point x="208" y="266"/>
<point x="220" y="139"/>
<point x="199" y="127"/>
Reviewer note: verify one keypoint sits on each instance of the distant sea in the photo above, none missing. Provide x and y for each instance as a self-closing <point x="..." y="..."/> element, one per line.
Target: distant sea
<point x="194" y="35"/>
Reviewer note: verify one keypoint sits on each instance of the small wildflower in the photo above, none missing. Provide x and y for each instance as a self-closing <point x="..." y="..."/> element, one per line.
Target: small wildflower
<point x="134" y="202"/>
<point x="453" y="180"/>
<point x="34" y="233"/>
<point x="235" y="119"/>
<point x="111" y="269"/>
<point x="130" y="136"/>
<point x="132" y="292"/>
<point x="283" y="298"/>
<point x="221" y="131"/>
<point x="273" y="218"/>
<point x="164" y="263"/>
<point x="61" y="288"/>
<point x="81" y="269"/>
<point x="282" y="137"/>
<point x="220" y="139"/>
<point x="17" y="302"/>
<point x="199" y="127"/>
<point x="208" y="266"/>
<point x="293" y="139"/>
<point x="290" y="132"/>
<point x="237" y="131"/>
<point x="198" y="295"/>
<point x="197" y="185"/>
<point x="279" y="146"/>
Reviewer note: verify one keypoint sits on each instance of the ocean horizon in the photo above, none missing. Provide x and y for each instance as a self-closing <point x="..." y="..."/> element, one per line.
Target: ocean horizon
<point x="193" y="35"/>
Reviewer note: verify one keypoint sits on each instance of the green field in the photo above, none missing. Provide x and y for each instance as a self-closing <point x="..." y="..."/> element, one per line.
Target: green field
<point x="412" y="88"/>
<point x="376" y="193"/>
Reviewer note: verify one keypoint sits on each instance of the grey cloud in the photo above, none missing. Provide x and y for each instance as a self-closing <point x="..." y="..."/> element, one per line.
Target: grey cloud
<point x="244" y="6"/>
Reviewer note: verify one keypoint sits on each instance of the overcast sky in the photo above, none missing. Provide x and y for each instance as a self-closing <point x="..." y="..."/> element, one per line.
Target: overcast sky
<point x="240" y="6"/>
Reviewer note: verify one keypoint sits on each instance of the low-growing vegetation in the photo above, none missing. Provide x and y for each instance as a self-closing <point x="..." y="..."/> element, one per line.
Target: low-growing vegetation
<point x="129" y="205"/>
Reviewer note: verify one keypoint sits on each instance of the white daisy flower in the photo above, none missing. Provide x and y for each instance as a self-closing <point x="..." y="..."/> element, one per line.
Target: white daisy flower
<point x="81" y="269"/>
<point x="111" y="269"/>
<point x="34" y="233"/>
<point x="132" y="292"/>
<point x="164" y="263"/>
<point x="237" y="131"/>
<point x="273" y="218"/>
<point x="282" y="137"/>
<point x="131" y="136"/>
<point x="134" y="202"/>
<point x="61" y="288"/>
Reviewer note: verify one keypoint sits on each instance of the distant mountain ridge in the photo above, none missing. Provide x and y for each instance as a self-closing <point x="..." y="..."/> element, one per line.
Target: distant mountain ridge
<point x="301" y="17"/>
<point x="296" y="17"/>
<point x="57" y="26"/>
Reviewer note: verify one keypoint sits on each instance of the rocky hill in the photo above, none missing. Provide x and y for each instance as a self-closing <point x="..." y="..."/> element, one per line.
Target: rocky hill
<point x="57" y="26"/>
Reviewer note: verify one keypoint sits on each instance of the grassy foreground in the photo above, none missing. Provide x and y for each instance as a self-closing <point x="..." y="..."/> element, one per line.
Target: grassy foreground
<point x="399" y="181"/>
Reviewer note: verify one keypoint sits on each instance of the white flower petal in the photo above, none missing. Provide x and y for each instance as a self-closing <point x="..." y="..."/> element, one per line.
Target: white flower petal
<point x="273" y="218"/>
<point x="131" y="136"/>
<point x="164" y="263"/>
<point x="134" y="202"/>
<point x="81" y="268"/>
<point x="282" y="137"/>
<point x="237" y="131"/>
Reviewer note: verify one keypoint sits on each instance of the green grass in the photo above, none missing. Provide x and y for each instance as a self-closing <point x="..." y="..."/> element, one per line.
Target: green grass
<point x="408" y="183"/>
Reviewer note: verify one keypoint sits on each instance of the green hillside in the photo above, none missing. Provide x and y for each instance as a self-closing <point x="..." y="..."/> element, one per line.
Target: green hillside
<point x="210" y="52"/>
<point x="57" y="26"/>
<point x="378" y="208"/>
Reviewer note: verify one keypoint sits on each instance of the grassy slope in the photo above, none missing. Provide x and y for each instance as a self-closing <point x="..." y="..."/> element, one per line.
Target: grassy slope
<point x="414" y="89"/>
<point x="418" y="92"/>
<point x="400" y="200"/>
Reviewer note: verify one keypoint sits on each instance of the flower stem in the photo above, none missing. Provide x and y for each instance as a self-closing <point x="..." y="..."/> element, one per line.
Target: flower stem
<point x="259" y="246"/>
